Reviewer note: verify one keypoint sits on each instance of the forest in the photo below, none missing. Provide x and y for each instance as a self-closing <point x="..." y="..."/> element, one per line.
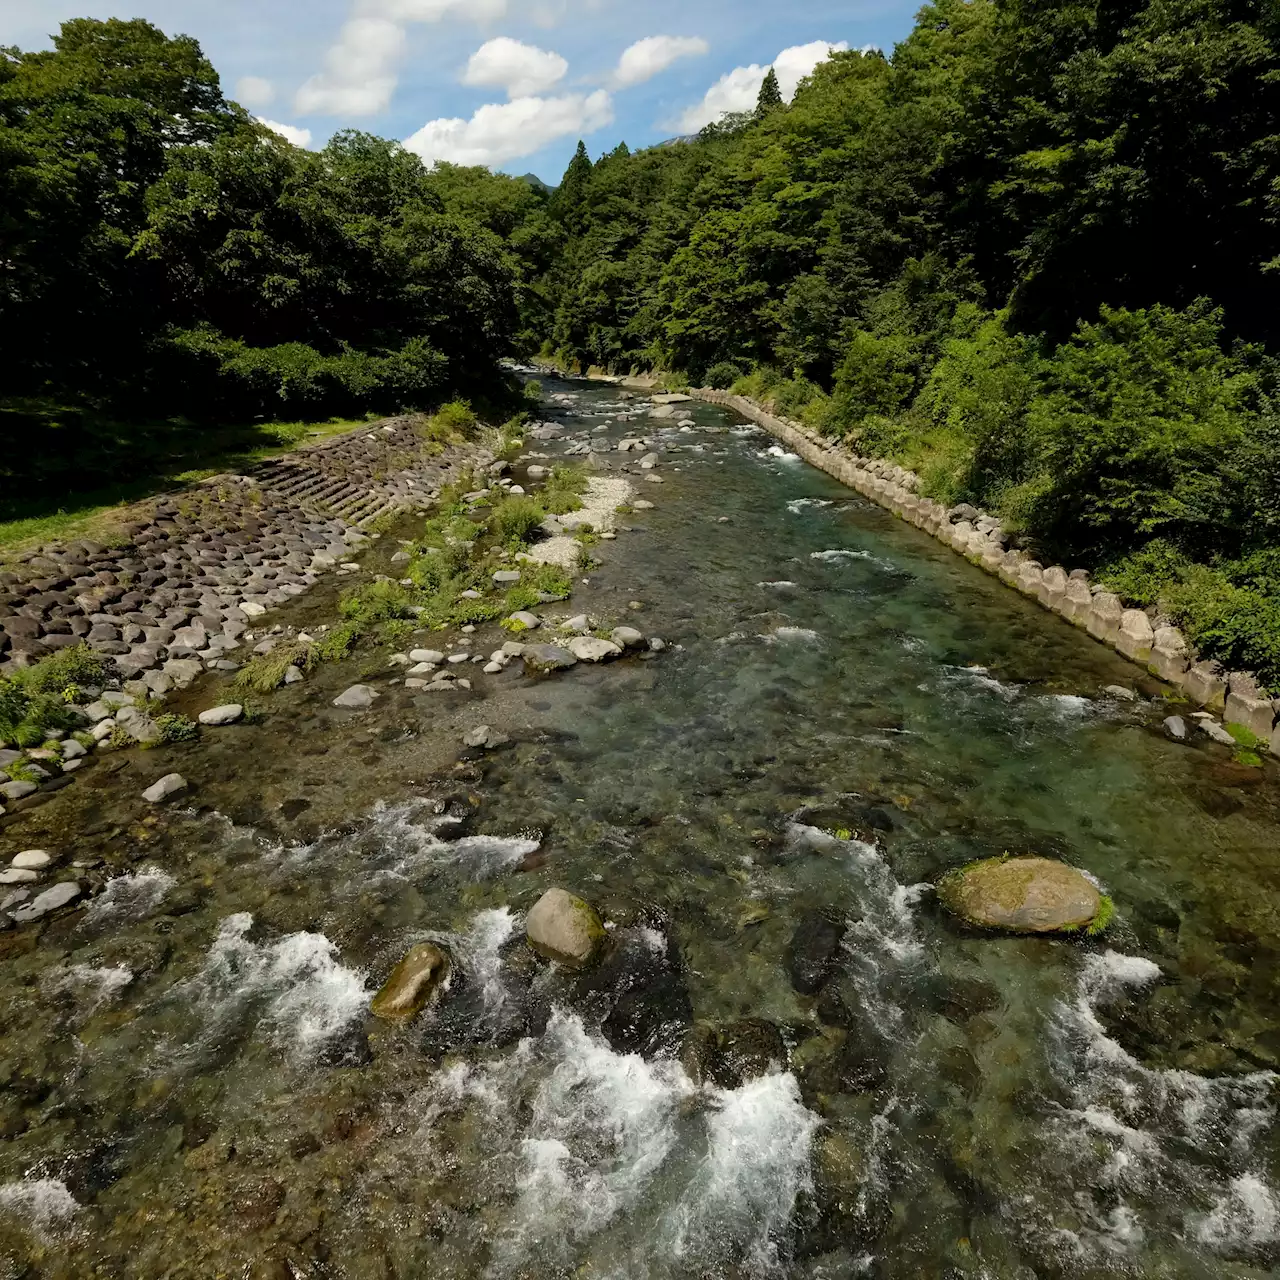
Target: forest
<point x="1031" y="254"/>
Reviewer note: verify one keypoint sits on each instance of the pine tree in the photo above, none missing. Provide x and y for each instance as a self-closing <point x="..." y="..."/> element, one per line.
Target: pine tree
<point x="770" y="95"/>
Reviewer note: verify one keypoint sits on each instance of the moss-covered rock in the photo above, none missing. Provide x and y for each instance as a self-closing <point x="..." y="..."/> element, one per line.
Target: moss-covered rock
<point x="564" y="928"/>
<point x="1025" y="895"/>
<point x="412" y="983"/>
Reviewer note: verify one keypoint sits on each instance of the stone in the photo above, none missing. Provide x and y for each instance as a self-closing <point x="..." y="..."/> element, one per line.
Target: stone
<point x="814" y="951"/>
<point x="433" y="656"/>
<point x="1205" y="686"/>
<point x="32" y="859"/>
<point x="17" y="790"/>
<point x="1103" y="622"/>
<point x="1136" y="638"/>
<point x="485" y="738"/>
<point x="72" y="750"/>
<point x="1275" y="740"/>
<point x="504" y="577"/>
<point x="358" y="698"/>
<point x="590" y="649"/>
<point x="649" y="461"/>
<point x="54" y="897"/>
<point x="1253" y="713"/>
<point x="1023" y="895"/>
<point x="227" y="714"/>
<point x="1169" y="656"/>
<point x="170" y="785"/>
<point x="1212" y="729"/>
<point x="421" y="669"/>
<point x="182" y="671"/>
<point x="251" y="609"/>
<point x="18" y="875"/>
<point x="1176" y="728"/>
<point x="627" y="637"/>
<point x="412" y="983"/>
<point x="642" y="504"/>
<point x="97" y="711"/>
<point x="457" y="659"/>
<point x="579" y="623"/>
<point x="529" y="621"/>
<point x="548" y="657"/>
<point x="564" y="928"/>
<point x="292" y="675"/>
<point x="1077" y="602"/>
<point x="1120" y="692"/>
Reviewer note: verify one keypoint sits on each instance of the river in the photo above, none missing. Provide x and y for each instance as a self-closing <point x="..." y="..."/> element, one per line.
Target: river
<point x="193" y="1086"/>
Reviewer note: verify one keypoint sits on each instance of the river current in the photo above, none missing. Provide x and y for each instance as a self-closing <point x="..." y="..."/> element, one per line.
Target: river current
<point x="194" y="1087"/>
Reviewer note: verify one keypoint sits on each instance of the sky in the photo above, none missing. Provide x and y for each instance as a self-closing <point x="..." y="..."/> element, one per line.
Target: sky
<point x="512" y="84"/>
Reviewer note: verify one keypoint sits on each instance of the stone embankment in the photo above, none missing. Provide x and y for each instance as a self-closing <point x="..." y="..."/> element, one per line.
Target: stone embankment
<point x="1136" y="634"/>
<point x="191" y="571"/>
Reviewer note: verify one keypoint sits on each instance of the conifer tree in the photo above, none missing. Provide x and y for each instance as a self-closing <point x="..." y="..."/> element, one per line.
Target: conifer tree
<point x="770" y="95"/>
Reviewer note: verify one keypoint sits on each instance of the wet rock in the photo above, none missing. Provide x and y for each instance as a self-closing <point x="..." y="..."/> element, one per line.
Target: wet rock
<point x="1119" y="692"/>
<point x="433" y="657"/>
<point x="18" y="875"/>
<point x="564" y="928"/>
<point x="730" y="1055"/>
<point x="486" y="738"/>
<point x="358" y="698"/>
<point x="1022" y="895"/>
<point x="227" y="714"/>
<point x="1176" y="728"/>
<point x="547" y="657"/>
<point x="627" y="637"/>
<point x="52" y="899"/>
<point x="17" y="790"/>
<point x="1212" y="729"/>
<point x="32" y="859"/>
<point x="814" y="951"/>
<point x="529" y="621"/>
<point x="170" y="785"/>
<point x="412" y="983"/>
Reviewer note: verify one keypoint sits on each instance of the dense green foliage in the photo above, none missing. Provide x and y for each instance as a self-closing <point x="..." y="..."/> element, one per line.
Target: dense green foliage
<point x="165" y="254"/>
<point x="1031" y="254"/>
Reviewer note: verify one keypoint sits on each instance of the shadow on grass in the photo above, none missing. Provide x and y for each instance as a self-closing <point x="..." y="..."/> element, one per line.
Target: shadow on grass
<point x="60" y="465"/>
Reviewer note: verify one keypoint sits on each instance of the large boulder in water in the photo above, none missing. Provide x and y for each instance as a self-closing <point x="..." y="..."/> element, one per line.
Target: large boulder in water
<point x="1025" y="895"/>
<point x="412" y="983"/>
<point x="564" y="928"/>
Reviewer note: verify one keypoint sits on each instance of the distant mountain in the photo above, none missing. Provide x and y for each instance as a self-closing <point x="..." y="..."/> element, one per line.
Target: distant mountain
<point x="537" y="183"/>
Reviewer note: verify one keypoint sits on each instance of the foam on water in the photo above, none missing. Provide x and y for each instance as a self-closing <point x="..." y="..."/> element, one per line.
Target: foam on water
<point x="781" y="585"/>
<point x="293" y="989"/>
<point x="835" y="554"/>
<point x="90" y="987"/>
<point x="129" y="897"/>
<point x="1144" y="1138"/>
<point x="777" y="451"/>
<point x="799" y="505"/>
<point x="979" y="678"/>
<point x="44" y="1206"/>
<point x="790" y="635"/>
<point x="412" y="840"/>
<point x="478" y="952"/>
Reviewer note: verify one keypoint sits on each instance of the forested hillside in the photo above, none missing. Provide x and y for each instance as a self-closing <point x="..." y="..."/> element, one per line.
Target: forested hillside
<point x="1032" y="254"/>
<point x="163" y="253"/>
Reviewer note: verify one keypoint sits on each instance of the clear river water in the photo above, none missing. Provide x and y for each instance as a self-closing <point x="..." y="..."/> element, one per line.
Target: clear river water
<point x="793" y="1062"/>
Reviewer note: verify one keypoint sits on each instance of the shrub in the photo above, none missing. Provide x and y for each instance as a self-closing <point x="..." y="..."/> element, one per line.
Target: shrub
<point x="516" y="520"/>
<point x="377" y="602"/>
<point x="563" y="489"/>
<point x="457" y="418"/>
<point x="77" y="666"/>
<point x="265" y="671"/>
<point x="176" y="728"/>
<point x="720" y="377"/>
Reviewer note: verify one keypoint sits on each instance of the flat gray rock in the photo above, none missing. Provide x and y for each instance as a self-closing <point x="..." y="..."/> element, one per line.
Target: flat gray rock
<point x="627" y="637"/>
<point x="1176" y="728"/>
<point x="17" y="790"/>
<point x="548" y="657"/>
<point x="589" y="649"/>
<point x="58" y="895"/>
<point x="227" y="714"/>
<point x="358" y="698"/>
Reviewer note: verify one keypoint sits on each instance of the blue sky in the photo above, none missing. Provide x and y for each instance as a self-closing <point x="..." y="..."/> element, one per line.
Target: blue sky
<point x="509" y="83"/>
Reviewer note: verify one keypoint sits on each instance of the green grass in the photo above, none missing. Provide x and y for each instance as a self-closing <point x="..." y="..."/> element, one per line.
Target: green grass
<point x="67" y="468"/>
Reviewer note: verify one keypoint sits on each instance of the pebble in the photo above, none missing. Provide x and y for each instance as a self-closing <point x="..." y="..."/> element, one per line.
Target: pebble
<point x="485" y="737"/>
<point x="169" y="785"/>
<point x="456" y="658"/>
<point x="503" y="576"/>
<point x="292" y="675"/>
<point x="227" y="714"/>
<point x="72" y="750"/>
<point x="1176" y="728"/>
<point x="492" y="668"/>
<point x="642" y="504"/>
<point x="626" y="637"/>
<point x="1217" y="732"/>
<point x="17" y="790"/>
<point x="427" y="655"/>
<point x="32" y="859"/>
<point x="1119" y="691"/>
<point x="17" y="875"/>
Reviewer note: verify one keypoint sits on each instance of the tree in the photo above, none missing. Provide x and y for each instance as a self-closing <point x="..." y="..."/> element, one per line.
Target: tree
<point x="770" y="96"/>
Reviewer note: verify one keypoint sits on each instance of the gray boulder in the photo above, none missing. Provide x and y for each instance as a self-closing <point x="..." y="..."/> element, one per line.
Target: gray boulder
<point x="170" y="785"/>
<point x="548" y="657"/>
<point x="358" y="698"/>
<point x="589" y="649"/>
<point x="54" y="897"/>
<point x="564" y="928"/>
<point x="227" y="714"/>
<point x="1023" y="895"/>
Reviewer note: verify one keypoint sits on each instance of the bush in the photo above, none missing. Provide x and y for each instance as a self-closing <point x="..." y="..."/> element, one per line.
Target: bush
<point x="561" y="492"/>
<point x="377" y="602"/>
<point x="176" y="728"/>
<point x="722" y="376"/>
<point x="516" y="520"/>
<point x="456" y="418"/>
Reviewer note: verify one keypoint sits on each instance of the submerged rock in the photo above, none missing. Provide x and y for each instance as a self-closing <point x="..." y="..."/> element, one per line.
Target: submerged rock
<point x="813" y="952"/>
<point x="730" y="1055"/>
<point x="59" y="895"/>
<point x="412" y="983"/>
<point x="590" y="649"/>
<point x="1024" y="895"/>
<point x="564" y="928"/>
<point x="358" y="698"/>
<point x="485" y="737"/>
<point x="547" y="657"/>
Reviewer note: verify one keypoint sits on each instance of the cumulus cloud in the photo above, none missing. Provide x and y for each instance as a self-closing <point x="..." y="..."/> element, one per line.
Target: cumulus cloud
<point x="505" y="131"/>
<point x="738" y="89"/>
<point x="254" y="91"/>
<point x="299" y="137"/>
<point x="521" y="69"/>
<point x="654" y="54"/>
<point x="361" y="70"/>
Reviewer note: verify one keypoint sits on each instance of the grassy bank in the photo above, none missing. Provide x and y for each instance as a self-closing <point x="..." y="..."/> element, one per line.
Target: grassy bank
<point x="65" y="470"/>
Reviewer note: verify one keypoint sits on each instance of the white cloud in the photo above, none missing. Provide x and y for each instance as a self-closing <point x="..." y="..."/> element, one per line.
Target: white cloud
<point x="500" y="132"/>
<point x="360" y="72"/>
<point x="738" y="89"/>
<point x="654" y="54"/>
<point x="254" y="91"/>
<point x="299" y="137"/>
<point x="521" y="69"/>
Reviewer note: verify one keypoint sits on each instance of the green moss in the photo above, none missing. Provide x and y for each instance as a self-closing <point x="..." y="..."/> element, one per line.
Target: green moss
<point x="20" y="771"/>
<point x="266" y="671"/>
<point x="1250" y="759"/>
<point x="177" y="728"/>
<point x="1245" y="737"/>
<point x="1105" y="914"/>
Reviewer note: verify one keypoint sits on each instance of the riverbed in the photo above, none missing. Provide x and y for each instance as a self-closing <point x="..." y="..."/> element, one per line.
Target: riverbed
<point x="793" y="1063"/>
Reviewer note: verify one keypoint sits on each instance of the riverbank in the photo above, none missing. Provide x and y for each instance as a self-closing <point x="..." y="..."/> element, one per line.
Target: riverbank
<point x="1139" y="635"/>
